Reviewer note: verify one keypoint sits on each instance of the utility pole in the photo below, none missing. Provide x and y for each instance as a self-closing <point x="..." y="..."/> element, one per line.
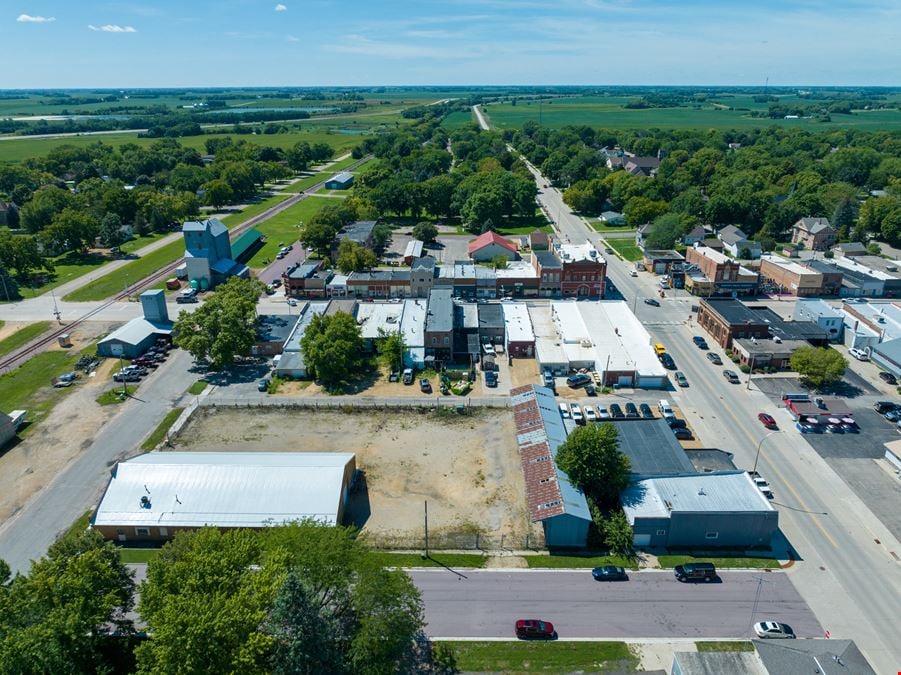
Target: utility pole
<point x="426" y="529"/>
<point x="55" y="308"/>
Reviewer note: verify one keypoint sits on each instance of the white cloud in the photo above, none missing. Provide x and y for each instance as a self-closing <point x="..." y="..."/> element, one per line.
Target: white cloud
<point x="280" y="7"/>
<point x="291" y="38"/>
<point x="27" y="18"/>
<point x="113" y="28"/>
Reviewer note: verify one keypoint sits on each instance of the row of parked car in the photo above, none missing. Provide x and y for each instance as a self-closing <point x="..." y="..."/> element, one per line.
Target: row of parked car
<point x="890" y="411"/>
<point x="142" y="365"/>
<point x="600" y="413"/>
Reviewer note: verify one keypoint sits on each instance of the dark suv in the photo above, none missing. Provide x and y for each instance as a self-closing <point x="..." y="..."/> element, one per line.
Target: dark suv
<point x="577" y="380"/>
<point x="701" y="571"/>
<point x="883" y="407"/>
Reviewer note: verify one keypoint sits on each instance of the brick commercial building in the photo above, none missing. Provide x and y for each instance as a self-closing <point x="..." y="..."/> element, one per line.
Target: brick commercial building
<point x="786" y="276"/>
<point x="709" y="272"/>
<point x="584" y="271"/>
<point x="550" y="273"/>
<point x="815" y="234"/>
<point x="307" y="280"/>
<point x="725" y="319"/>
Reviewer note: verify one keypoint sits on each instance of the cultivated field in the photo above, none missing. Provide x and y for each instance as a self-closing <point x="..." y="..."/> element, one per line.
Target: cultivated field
<point x="466" y="467"/>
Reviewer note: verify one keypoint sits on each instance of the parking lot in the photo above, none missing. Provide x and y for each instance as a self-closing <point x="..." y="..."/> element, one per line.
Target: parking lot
<point x="449" y="247"/>
<point x="276" y="268"/>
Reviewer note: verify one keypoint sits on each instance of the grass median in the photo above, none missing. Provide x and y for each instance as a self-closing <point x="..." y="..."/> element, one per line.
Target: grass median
<point x="670" y="561"/>
<point x="542" y="657"/>
<point x="118" y="280"/>
<point x="157" y="435"/>
<point x="577" y="561"/>
<point x="23" y="336"/>
<point x="626" y="248"/>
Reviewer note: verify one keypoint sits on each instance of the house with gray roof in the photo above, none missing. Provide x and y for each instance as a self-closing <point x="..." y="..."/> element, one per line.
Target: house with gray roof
<point x="832" y="657"/>
<point x="849" y="249"/>
<point x="735" y="241"/>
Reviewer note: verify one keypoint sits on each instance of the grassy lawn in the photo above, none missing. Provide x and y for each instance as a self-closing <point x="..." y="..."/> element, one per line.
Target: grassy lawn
<point x="453" y="560"/>
<point x="133" y="245"/>
<point x="197" y="387"/>
<point x="28" y="387"/>
<point x="669" y="561"/>
<point x="283" y="227"/>
<point x="737" y="646"/>
<point x="115" y="281"/>
<point x="254" y="209"/>
<point x="23" y="336"/>
<point x="576" y="561"/>
<point x="132" y="556"/>
<point x="598" y="226"/>
<point x="162" y="428"/>
<point x="542" y="657"/>
<point x="80" y="525"/>
<point x="114" y="396"/>
<point x="626" y="248"/>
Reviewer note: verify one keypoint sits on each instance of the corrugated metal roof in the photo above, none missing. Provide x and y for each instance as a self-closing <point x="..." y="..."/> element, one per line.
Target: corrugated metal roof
<point x="227" y="489"/>
<point x="136" y="331"/>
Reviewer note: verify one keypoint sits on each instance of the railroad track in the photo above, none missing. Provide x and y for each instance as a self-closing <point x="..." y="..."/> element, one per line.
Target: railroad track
<point x="10" y="361"/>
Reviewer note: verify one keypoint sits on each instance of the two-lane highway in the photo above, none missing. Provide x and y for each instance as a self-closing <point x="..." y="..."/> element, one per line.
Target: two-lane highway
<point x="485" y="603"/>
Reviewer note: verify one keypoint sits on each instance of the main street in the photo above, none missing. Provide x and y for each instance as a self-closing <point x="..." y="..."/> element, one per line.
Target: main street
<point x="848" y="570"/>
<point x="486" y="603"/>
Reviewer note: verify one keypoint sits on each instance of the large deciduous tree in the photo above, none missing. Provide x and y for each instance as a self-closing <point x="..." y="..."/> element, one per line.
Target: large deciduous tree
<point x="332" y="346"/>
<point x="591" y="458"/>
<point x="425" y="231"/>
<point x="354" y="257"/>
<point x="224" y="327"/>
<point x="820" y="366"/>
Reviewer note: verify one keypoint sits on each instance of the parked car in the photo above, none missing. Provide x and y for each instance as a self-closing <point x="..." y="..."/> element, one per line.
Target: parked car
<point x="833" y="428"/>
<point x="263" y="385"/>
<point x="767" y="421"/>
<point x="590" y="414"/>
<point x="888" y="378"/>
<point x="408" y="376"/>
<point x="667" y="362"/>
<point x="590" y="390"/>
<point x="603" y="413"/>
<point x="659" y="349"/>
<point x="576" y="413"/>
<point x="731" y="376"/>
<point x="564" y="411"/>
<point x="700" y="342"/>
<point x="609" y="573"/>
<point x="676" y="423"/>
<point x="859" y="354"/>
<point x="652" y="302"/>
<point x="699" y="571"/>
<point x="490" y="378"/>
<point x="805" y="428"/>
<point x="883" y="407"/>
<point x="850" y="427"/>
<point x="61" y="384"/>
<point x="549" y="381"/>
<point x="631" y="411"/>
<point x="292" y="302"/>
<point x="488" y="348"/>
<point x="425" y="386"/>
<point x="665" y="410"/>
<point x="681" y="380"/>
<point x="773" y="630"/>
<point x="763" y="486"/>
<point x="394" y="376"/>
<point x="714" y="358"/>
<point x="124" y="376"/>
<point x="646" y="411"/>
<point x="893" y="415"/>
<point x="577" y="380"/>
<point x="616" y="412"/>
<point x="681" y="434"/>
<point x="535" y="629"/>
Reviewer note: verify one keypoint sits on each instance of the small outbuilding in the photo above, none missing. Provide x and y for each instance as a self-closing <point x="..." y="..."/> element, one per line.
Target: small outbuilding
<point x="138" y="335"/>
<point x="340" y="181"/>
<point x="154" y="496"/>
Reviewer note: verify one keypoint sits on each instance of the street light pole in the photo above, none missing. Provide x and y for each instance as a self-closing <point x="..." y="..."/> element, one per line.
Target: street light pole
<point x="757" y="456"/>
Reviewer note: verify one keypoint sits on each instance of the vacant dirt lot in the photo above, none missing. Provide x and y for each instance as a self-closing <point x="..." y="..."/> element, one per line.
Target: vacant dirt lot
<point x="466" y="467"/>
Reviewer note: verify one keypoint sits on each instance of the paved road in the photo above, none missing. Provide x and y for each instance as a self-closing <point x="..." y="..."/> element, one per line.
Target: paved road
<point x="485" y="603"/>
<point x="850" y="569"/>
<point x="30" y="532"/>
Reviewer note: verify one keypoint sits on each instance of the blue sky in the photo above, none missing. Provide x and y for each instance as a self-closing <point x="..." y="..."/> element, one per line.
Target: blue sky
<point x="153" y="43"/>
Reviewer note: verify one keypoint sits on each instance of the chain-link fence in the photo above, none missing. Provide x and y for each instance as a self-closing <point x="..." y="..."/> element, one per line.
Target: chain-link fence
<point x="339" y="402"/>
<point x="450" y="541"/>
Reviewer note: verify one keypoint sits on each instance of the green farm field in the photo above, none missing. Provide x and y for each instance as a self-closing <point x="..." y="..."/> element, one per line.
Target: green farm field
<point x="607" y="112"/>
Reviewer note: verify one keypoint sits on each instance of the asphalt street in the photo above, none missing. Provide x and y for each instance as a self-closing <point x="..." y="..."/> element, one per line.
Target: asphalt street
<point x="486" y="603"/>
<point x="849" y="572"/>
<point x="27" y="536"/>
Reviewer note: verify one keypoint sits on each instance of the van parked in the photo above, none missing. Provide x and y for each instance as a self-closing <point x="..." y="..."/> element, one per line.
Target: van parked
<point x="665" y="410"/>
<point x="701" y="571"/>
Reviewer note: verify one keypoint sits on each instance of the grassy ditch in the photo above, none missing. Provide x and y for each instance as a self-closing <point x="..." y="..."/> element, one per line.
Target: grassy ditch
<point x="542" y="657"/>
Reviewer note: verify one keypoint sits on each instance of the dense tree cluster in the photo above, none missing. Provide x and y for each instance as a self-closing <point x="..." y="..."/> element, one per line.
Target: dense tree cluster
<point x="764" y="184"/>
<point x="332" y="347"/>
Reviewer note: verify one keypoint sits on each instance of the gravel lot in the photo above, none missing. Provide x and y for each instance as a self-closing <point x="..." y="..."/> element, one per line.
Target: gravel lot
<point x="466" y="467"/>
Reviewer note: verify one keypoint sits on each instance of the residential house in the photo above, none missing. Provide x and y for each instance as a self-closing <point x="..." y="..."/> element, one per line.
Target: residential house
<point x="359" y="232"/>
<point x="613" y="218"/>
<point x="697" y="234"/>
<point x="490" y="245"/>
<point x="641" y="166"/>
<point x="8" y="214"/>
<point x="735" y="242"/>
<point x="714" y="243"/>
<point x="641" y="233"/>
<point x="815" y="234"/>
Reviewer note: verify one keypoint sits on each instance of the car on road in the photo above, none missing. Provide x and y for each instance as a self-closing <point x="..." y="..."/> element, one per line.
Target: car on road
<point x="646" y="411"/>
<point x="697" y="571"/>
<point x="681" y="380"/>
<point x="263" y="385"/>
<point x="888" y="378"/>
<point x="883" y="407"/>
<point x="633" y="273"/>
<point x="714" y="358"/>
<point x="425" y="386"/>
<point x="700" y="342"/>
<point x="667" y="362"/>
<point x="591" y="414"/>
<point x="767" y="421"/>
<point x="292" y="302"/>
<point x="603" y="413"/>
<point x="681" y="434"/>
<point x="773" y="630"/>
<point x="859" y="354"/>
<point x="577" y="380"/>
<point x="535" y="629"/>
<point x="564" y="411"/>
<point x="652" y="302"/>
<point x="632" y="411"/>
<point x="731" y="376"/>
<point x="659" y="349"/>
<point x="576" y="413"/>
<point x="616" y="412"/>
<point x="609" y="573"/>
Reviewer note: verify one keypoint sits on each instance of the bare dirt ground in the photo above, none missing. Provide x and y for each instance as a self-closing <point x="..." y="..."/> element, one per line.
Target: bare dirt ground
<point x="524" y="371"/>
<point x="11" y="327"/>
<point x="466" y="467"/>
<point x="28" y="466"/>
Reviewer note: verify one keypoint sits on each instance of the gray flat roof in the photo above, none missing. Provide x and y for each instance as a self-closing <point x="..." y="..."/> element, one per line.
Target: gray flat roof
<point x="440" y="316"/>
<point x="548" y="259"/>
<point x="136" y="331"/>
<point x="652" y="448"/>
<point x="734" y="312"/>
<point x="491" y="316"/>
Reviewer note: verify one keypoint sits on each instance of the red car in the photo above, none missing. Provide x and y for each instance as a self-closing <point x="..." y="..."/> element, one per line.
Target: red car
<point x="767" y="421"/>
<point x="534" y="629"/>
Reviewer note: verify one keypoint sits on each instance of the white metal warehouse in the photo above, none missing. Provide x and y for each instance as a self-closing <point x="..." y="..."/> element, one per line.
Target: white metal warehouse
<point x="151" y="497"/>
<point x="604" y="336"/>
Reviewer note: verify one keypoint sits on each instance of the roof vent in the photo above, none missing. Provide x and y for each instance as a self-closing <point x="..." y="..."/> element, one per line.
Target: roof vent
<point x="702" y="493"/>
<point x="145" y="502"/>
